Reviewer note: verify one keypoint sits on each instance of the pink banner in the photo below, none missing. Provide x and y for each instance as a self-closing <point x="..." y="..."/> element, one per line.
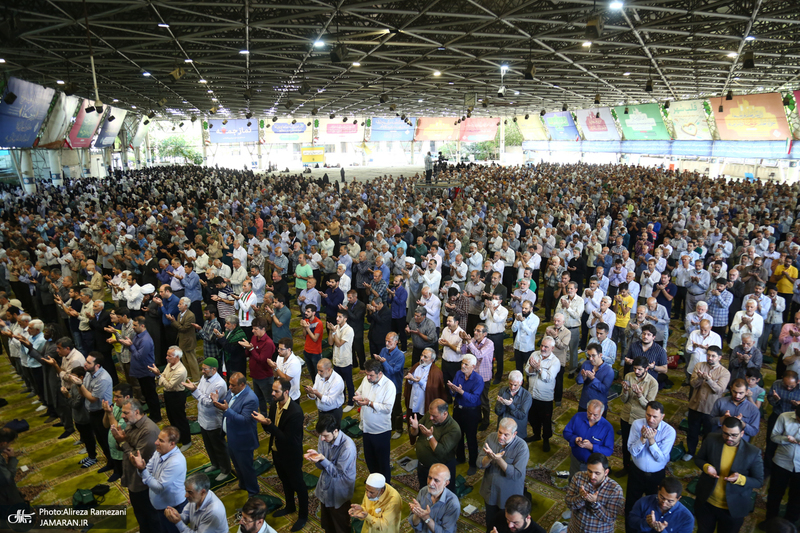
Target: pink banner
<point x="479" y="129"/>
<point x="82" y="132"/>
<point x="437" y="129"/>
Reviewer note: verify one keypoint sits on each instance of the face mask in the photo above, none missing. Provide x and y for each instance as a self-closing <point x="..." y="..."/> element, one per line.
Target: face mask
<point x="373" y="499"/>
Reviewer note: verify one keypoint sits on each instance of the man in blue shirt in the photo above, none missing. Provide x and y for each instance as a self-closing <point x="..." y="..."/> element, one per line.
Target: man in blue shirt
<point x="596" y="377"/>
<point x="164" y="474"/>
<point x="662" y="511"/>
<point x="588" y="433"/>
<point x="466" y="389"/>
<point x="393" y="361"/>
<point x="435" y="503"/>
<point x="398" y="296"/>
<point x="169" y="306"/>
<point x="143" y="357"/>
<point x="332" y="298"/>
<point x="193" y="291"/>
<point x="650" y="442"/>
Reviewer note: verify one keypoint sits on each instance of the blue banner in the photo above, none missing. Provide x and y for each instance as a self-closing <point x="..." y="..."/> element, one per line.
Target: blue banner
<point x="236" y="130"/>
<point x="600" y="146"/>
<point x="21" y="121"/>
<point x="561" y="126"/>
<point x="392" y="129"/>
<point x="565" y="146"/>
<point x="646" y="147"/>
<point x="698" y="148"/>
<point x="739" y="149"/>
<point x="110" y="129"/>
<point x="751" y="149"/>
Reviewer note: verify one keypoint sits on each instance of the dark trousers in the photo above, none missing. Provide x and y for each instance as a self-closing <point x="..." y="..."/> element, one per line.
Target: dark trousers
<point x="780" y="480"/>
<point x="242" y="461"/>
<point x="486" y="412"/>
<point x="335" y="520"/>
<point x="472" y="321"/>
<point x="699" y="423"/>
<point x="100" y="433"/>
<point x="584" y="330"/>
<point x="196" y="307"/>
<point x="679" y="304"/>
<point x="520" y="358"/>
<point x="175" y="404"/>
<point x="641" y="484"/>
<point x="148" y="386"/>
<point x="376" y="453"/>
<point x="625" y="427"/>
<point x="347" y="375"/>
<point x="311" y="363"/>
<point x="166" y="525"/>
<point x="64" y="413"/>
<point x="358" y="349"/>
<point x="335" y="413"/>
<point x="558" y="393"/>
<point x="549" y="303"/>
<point x="788" y="299"/>
<point x="449" y="370"/>
<point x="87" y="437"/>
<point x="217" y="449"/>
<point x="540" y="417"/>
<point x="710" y="518"/>
<point x="467" y="419"/>
<point x="37" y="373"/>
<point x="771" y="447"/>
<point x="146" y="515"/>
<point x="399" y="327"/>
<point x="397" y="413"/>
<point x="497" y="341"/>
<point x="263" y="390"/>
<point x="291" y="476"/>
<point x="491" y="517"/>
<point x="428" y="174"/>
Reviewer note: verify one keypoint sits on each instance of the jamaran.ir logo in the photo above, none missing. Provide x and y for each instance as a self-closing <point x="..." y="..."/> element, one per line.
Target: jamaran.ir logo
<point x="20" y="517"/>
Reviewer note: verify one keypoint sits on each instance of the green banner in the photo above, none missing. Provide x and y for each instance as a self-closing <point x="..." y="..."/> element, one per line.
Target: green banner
<point x="642" y="123"/>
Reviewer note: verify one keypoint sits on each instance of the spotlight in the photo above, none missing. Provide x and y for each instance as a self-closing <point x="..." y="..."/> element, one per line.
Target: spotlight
<point x="314" y="111"/>
<point x="213" y="110"/>
<point x="527" y="116"/>
<point x="98" y="106"/>
<point x="514" y="119"/>
<point x="469" y="115"/>
<point x="597" y="98"/>
<point x="308" y="123"/>
<point x="383" y="99"/>
<point x="162" y="102"/>
<point x="463" y="119"/>
<point x="210" y="126"/>
<point x="304" y="88"/>
<point x="403" y="116"/>
<point x="564" y="107"/>
<point x="294" y="121"/>
<point x="485" y="103"/>
<point x="224" y="121"/>
<point x="274" y="119"/>
<point x="339" y="53"/>
<point x="332" y="116"/>
<point x="530" y="71"/>
<point x="626" y="110"/>
<point x="786" y="101"/>
<point x="392" y="107"/>
<point x="729" y="96"/>
<point x="146" y="122"/>
<point x="355" y="121"/>
<point x="268" y="125"/>
<point x="344" y="119"/>
<point x="721" y="109"/>
<point x="89" y="109"/>
<point x="173" y="128"/>
<point x="648" y="87"/>
<point x="69" y="89"/>
<point x="362" y="122"/>
<point x="112" y="118"/>
<point x="458" y="121"/>
<point x="249" y="123"/>
<point x="542" y="113"/>
<point x="180" y="125"/>
<point x="594" y="28"/>
<point x="289" y="103"/>
<point x="748" y="60"/>
<point x="151" y="115"/>
<point x="505" y="121"/>
<point x="501" y="92"/>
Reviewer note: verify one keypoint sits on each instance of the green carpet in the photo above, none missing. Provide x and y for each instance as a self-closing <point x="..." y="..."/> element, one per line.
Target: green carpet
<point x="54" y="473"/>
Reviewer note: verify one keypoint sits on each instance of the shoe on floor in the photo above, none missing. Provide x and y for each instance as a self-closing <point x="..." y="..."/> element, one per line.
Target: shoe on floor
<point x="66" y="434"/>
<point x="471" y="471"/>
<point x="546" y="445"/>
<point x="687" y="457"/>
<point x="58" y="425"/>
<point x="558" y="404"/>
<point x="396" y="435"/>
<point x="348" y="408"/>
<point x="41" y="408"/>
<point x="107" y="468"/>
<point x="221" y="477"/>
<point x="51" y="420"/>
<point x="185" y="447"/>
<point x="210" y="469"/>
<point x="88" y="463"/>
<point x="566" y="515"/>
<point x="532" y="438"/>
<point x="300" y="524"/>
<point x="114" y="477"/>
<point x="79" y="443"/>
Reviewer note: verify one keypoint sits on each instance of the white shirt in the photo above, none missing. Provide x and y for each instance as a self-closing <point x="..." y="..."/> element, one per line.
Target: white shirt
<point x="344" y="283"/>
<point x="376" y="418"/>
<point x="495" y="319"/>
<point x="291" y="366"/>
<point x="699" y="354"/>
<point x="332" y="390"/>
<point x="542" y="382"/>
<point x="343" y="355"/>
<point x="433" y="306"/>
<point x="133" y="295"/>
<point x="432" y="280"/>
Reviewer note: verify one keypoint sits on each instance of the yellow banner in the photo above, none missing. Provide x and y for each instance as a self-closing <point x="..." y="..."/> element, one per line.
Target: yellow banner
<point x="313" y="154"/>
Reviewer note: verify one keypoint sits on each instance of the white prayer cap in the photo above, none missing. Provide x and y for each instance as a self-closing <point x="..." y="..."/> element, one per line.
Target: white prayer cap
<point x="148" y="288"/>
<point x="410" y="260"/>
<point x="376" y="481"/>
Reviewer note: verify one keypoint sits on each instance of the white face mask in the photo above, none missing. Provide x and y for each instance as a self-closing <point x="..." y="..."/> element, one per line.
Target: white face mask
<point x="373" y="499"/>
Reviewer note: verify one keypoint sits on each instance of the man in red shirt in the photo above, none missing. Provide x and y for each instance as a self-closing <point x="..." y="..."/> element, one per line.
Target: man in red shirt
<point x="312" y="328"/>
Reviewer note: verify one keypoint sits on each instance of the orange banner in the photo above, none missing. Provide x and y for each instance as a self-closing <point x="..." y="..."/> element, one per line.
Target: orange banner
<point x="437" y="129"/>
<point x="752" y="117"/>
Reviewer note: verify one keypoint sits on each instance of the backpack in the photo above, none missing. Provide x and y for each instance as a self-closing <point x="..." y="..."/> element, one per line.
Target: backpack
<point x="83" y="499"/>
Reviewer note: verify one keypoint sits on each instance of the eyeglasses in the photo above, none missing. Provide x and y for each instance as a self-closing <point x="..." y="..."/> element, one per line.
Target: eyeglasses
<point x="240" y="517"/>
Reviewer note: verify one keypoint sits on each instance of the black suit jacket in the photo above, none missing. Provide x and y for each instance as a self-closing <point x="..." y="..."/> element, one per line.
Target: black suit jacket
<point x="380" y="325"/>
<point x="747" y="463"/>
<point x="287" y="435"/>
<point x="148" y="276"/>
<point x="97" y="325"/>
<point x="355" y="316"/>
<point x="500" y="289"/>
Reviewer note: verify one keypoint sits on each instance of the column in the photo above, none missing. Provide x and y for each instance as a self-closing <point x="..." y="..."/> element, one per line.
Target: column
<point x="502" y="153"/>
<point x="86" y="163"/>
<point x="28" y="178"/>
<point x="56" y="168"/>
<point x="137" y="154"/>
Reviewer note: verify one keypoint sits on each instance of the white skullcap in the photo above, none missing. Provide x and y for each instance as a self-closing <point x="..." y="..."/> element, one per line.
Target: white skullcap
<point x="376" y="481"/>
<point x="410" y="260"/>
<point x="148" y="288"/>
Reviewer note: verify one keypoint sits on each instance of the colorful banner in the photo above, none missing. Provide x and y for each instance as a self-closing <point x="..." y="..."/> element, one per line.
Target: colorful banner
<point x="596" y="128"/>
<point x="391" y="129"/>
<point x="532" y="129"/>
<point x="59" y="121"/>
<point x="478" y="129"/>
<point x="141" y="132"/>
<point x="108" y="133"/>
<point x="689" y="119"/>
<point x="797" y="102"/>
<point x="752" y="117"/>
<point x="21" y="121"/>
<point x="337" y="130"/>
<point x="286" y="132"/>
<point x="235" y="131"/>
<point x="561" y="126"/>
<point x="312" y="154"/>
<point x="728" y="149"/>
<point x="642" y="123"/>
<point x="82" y="132"/>
<point x="437" y="129"/>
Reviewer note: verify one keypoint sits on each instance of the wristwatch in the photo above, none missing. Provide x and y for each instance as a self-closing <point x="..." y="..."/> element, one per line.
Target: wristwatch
<point x="427" y="520"/>
<point x="430" y="437"/>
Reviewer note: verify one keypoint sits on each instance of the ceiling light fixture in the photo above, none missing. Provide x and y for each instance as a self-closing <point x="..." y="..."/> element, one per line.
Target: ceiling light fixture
<point x="615" y="5"/>
<point x="244" y="52"/>
<point x="721" y="109"/>
<point x="626" y="110"/>
<point x="188" y="61"/>
<point x="60" y="82"/>
<point x="202" y="81"/>
<point x="163" y="25"/>
<point x="10" y="98"/>
<point x="319" y="44"/>
<point x="437" y="73"/>
<point x="180" y="125"/>
<point x="563" y="107"/>
<point x="146" y="74"/>
<point x="356" y="64"/>
<point x="648" y="87"/>
<point x="750" y="38"/>
<point x="587" y="44"/>
<point x="542" y="113"/>
<point x="112" y="118"/>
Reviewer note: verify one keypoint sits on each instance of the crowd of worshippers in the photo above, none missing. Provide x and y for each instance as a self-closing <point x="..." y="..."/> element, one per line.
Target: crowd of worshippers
<point x="593" y="272"/>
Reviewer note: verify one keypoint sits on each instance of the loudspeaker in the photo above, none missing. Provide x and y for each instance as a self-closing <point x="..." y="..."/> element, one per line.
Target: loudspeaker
<point x="339" y="54"/>
<point x="748" y="60"/>
<point x="530" y="71"/>
<point x="304" y="88"/>
<point x="594" y="28"/>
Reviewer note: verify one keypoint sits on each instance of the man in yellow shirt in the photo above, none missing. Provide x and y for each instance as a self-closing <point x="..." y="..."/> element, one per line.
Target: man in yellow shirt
<point x="623" y="303"/>
<point x="381" y="507"/>
<point x="732" y="470"/>
<point x="784" y="276"/>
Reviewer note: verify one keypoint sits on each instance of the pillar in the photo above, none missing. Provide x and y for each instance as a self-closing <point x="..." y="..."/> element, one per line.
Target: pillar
<point x="458" y="151"/>
<point x="86" y="163"/>
<point x="108" y="162"/>
<point x="124" y="153"/>
<point x="205" y="154"/>
<point x="56" y="168"/>
<point x="137" y="154"/>
<point x="502" y="148"/>
<point x="259" y="155"/>
<point x="28" y="178"/>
